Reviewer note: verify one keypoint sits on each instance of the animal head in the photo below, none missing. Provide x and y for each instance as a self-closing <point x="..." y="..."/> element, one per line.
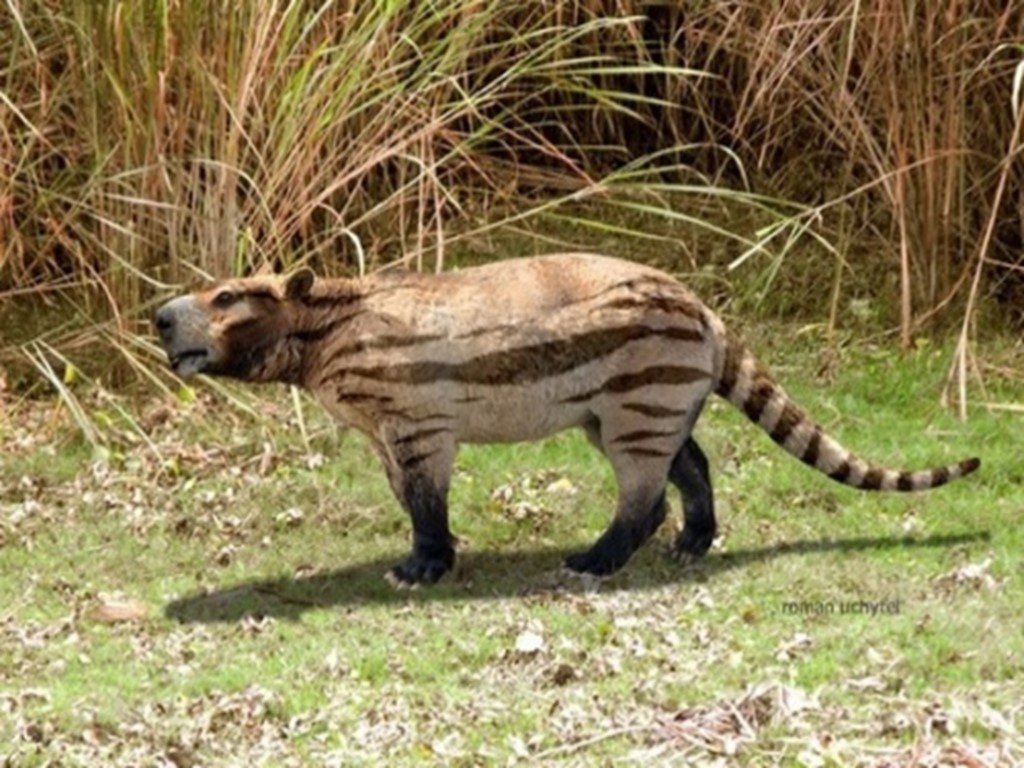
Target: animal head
<point x="240" y="328"/>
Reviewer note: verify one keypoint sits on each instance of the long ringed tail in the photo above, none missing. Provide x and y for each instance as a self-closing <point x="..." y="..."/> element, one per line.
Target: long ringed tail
<point x="748" y="385"/>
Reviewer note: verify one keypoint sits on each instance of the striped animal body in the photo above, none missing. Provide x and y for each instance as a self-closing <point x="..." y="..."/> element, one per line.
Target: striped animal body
<point x="508" y="352"/>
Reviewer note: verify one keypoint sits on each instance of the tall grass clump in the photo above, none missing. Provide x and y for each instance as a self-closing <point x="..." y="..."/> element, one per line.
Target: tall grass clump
<point x="146" y="143"/>
<point x="909" y="102"/>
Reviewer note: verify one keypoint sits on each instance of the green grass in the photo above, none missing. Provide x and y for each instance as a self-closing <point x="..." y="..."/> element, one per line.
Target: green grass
<point x="272" y="637"/>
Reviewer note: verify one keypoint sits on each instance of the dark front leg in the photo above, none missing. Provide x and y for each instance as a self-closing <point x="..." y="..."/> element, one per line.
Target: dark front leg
<point x="433" y="550"/>
<point x="690" y="474"/>
<point x="419" y="466"/>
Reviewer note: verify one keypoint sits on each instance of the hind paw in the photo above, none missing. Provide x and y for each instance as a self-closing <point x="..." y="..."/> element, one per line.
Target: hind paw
<point x="600" y="560"/>
<point x="692" y="545"/>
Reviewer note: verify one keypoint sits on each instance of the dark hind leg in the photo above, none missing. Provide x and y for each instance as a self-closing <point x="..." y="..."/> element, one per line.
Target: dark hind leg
<point x="636" y="520"/>
<point x="641" y="510"/>
<point x="689" y="473"/>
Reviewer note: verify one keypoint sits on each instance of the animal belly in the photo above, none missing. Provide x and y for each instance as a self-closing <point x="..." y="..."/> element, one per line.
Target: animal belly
<point x="516" y="416"/>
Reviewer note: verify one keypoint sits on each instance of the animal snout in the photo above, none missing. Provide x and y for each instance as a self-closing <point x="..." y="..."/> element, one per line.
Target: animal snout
<point x="163" y="320"/>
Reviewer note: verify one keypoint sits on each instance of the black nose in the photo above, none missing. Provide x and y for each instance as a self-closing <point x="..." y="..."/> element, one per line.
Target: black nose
<point x="163" y="319"/>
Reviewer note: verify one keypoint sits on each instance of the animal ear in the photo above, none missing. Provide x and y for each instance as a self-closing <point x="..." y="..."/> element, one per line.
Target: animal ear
<point x="298" y="284"/>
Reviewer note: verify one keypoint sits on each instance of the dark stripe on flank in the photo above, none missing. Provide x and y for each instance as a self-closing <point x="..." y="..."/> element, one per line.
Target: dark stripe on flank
<point x="667" y="304"/>
<point x="657" y="374"/>
<point x="362" y="397"/>
<point x="485" y="330"/>
<point x="654" y="411"/>
<point x="415" y="419"/>
<point x="842" y="473"/>
<point x="384" y="342"/>
<point x="643" y="434"/>
<point x="650" y="452"/>
<point x="788" y="421"/>
<point x="811" y="451"/>
<point x="873" y="479"/>
<point x="582" y="397"/>
<point x="630" y="284"/>
<point x="522" y="365"/>
<point x="421" y="435"/>
<point x="468" y="399"/>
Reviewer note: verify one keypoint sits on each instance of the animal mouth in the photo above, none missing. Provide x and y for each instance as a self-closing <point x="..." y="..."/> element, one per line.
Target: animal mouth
<point x="189" y="362"/>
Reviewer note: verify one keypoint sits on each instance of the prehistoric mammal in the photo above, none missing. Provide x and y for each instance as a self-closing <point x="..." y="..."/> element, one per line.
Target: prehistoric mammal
<point x="507" y="352"/>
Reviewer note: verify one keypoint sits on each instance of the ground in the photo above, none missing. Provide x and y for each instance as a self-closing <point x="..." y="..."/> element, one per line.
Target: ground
<point x="213" y="592"/>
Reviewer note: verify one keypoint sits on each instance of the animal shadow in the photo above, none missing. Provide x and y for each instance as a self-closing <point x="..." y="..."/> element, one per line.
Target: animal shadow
<point x="491" y="575"/>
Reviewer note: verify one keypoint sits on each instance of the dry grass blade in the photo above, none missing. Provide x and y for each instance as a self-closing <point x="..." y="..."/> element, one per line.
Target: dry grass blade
<point x="960" y="363"/>
<point x="142" y="147"/>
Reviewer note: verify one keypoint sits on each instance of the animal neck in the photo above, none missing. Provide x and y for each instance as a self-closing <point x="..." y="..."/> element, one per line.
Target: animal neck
<point x="315" y="319"/>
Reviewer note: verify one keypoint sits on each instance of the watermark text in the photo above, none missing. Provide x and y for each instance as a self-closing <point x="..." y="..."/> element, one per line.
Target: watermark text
<point x="841" y="607"/>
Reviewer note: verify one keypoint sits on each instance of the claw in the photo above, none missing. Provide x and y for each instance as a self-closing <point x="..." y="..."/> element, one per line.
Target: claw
<point x="420" y="569"/>
<point x="690" y="546"/>
<point x="591" y="562"/>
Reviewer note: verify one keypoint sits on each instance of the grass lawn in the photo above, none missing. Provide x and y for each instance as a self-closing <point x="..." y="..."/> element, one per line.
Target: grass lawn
<point x="217" y="596"/>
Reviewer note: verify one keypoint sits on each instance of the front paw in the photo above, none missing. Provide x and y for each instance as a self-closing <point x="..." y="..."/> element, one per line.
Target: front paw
<point x="421" y="568"/>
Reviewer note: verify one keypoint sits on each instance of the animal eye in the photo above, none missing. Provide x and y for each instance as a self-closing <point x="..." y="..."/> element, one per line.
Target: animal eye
<point x="224" y="299"/>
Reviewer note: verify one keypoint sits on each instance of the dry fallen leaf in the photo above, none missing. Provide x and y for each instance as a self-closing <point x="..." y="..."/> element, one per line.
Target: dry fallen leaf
<point x="562" y="485"/>
<point x="794" y="647"/>
<point x="290" y="518"/>
<point x="563" y="674"/>
<point x="113" y="610"/>
<point x="529" y="643"/>
<point x="971" y="576"/>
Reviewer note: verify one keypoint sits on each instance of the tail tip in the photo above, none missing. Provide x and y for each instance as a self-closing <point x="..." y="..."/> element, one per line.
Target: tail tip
<point x="969" y="465"/>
